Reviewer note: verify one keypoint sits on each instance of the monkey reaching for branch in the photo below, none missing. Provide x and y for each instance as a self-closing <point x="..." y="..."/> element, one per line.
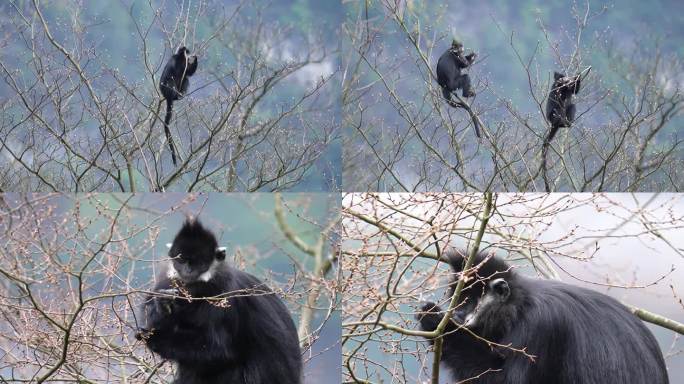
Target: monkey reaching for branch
<point x="450" y="78"/>
<point x="174" y="84"/>
<point x="449" y="68"/>
<point x="560" y="110"/>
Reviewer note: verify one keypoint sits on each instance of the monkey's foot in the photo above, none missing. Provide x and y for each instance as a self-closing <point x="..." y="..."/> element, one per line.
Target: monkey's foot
<point x="470" y="93"/>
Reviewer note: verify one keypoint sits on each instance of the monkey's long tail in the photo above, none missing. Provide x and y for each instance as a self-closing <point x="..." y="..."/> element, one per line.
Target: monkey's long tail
<point x="473" y="117"/>
<point x="476" y="124"/>
<point x="169" y="138"/>
<point x="545" y="150"/>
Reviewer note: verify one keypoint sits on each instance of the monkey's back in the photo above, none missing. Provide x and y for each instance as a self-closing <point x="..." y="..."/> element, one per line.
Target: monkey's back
<point x="572" y="317"/>
<point x="269" y="335"/>
<point x="448" y="71"/>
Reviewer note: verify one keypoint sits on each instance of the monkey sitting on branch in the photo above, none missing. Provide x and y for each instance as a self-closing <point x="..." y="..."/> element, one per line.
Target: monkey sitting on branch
<point x="174" y="84"/>
<point x="450" y="78"/>
<point x="560" y="110"/>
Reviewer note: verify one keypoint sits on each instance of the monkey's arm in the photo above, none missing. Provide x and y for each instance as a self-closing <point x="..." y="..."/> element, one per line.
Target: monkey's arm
<point x="465" y="61"/>
<point x="159" y="310"/>
<point x="577" y="84"/>
<point x="192" y="344"/>
<point x="471" y="57"/>
<point x="462" y="62"/>
<point x="430" y="315"/>
<point x="460" y="346"/>
<point x="192" y="66"/>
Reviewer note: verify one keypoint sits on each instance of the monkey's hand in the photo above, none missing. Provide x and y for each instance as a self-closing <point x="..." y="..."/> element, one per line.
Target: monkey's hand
<point x="143" y="333"/>
<point x="429" y="316"/>
<point x="167" y="303"/>
<point x="471" y="57"/>
<point x="170" y="291"/>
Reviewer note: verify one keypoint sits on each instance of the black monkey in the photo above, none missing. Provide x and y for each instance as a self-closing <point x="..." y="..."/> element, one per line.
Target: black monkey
<point x="576" y="335"/>
<point x="223" y="325"/>
<point x="449" y="75"/>
<point x="174" y="84"/>
<point x="449" y="68"/>
<point x="560" y="110"/>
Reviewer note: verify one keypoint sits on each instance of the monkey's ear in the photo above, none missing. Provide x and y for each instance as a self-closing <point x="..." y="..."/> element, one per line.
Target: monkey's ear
<point x="456" y="259"/>
<point x="557" y="75"/>
<point x="220" y="253"/>
<point x="500" y="288"/>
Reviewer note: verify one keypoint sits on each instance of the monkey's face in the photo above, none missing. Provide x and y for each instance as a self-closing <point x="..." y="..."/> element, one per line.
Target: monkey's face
<point x="193" y="253"/>
<point x="183" y="51"/>
<point x="194" y="262"/>
<point x="479" y="298"/>
<point x="495" y="294"/>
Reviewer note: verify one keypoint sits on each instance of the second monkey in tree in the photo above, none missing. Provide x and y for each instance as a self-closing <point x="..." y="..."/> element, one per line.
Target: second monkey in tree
<point x="174" y="84"/>
<point x="560" y="110"/>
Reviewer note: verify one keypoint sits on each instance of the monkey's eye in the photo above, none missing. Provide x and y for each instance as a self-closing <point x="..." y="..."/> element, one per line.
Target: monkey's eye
<point x="180" y="259"/>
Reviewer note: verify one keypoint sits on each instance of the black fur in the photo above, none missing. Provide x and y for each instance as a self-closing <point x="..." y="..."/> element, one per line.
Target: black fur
<point x="449" y="68"/>
<point x="560" y="110"/>
<point x="449" y="75"/>
<point x="576" y="335"/>
<point x="174" y="84"/>
<point x="247" y="338"/>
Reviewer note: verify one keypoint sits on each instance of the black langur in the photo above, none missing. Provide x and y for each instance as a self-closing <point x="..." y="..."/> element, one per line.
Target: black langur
<point x="560" y="110"/>
<point x="219" y="324"/>
<point x="450" y="78"/>
<point x="449" y="68"/>
<point x="174" y="84"/>
<point x="568" y="334"/>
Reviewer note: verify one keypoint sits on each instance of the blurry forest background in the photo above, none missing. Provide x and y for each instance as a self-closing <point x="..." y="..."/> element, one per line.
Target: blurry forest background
<point x="401" y="135"/>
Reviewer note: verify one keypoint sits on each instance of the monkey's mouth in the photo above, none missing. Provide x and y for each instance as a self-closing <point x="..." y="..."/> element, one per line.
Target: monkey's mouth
<point x="464" y="311"/>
